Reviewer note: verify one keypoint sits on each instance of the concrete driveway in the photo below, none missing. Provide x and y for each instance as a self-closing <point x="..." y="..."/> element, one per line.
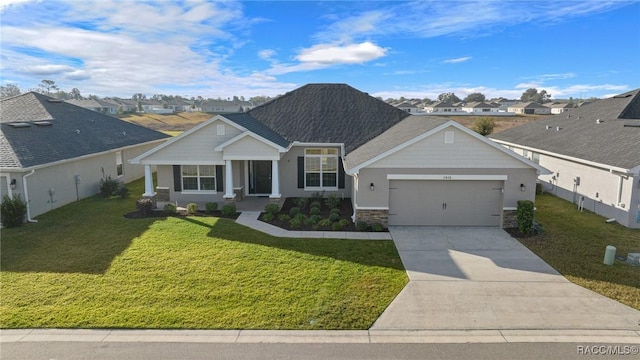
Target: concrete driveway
<point x="482" y="278"/>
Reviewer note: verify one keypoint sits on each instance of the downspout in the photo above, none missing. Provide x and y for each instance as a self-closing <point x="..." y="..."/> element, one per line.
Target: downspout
<point x="26" y="196"/>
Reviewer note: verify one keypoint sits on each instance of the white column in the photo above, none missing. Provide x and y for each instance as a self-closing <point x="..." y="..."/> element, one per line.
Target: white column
<point x="275" y="181"/>
<point x="228" y="177"/>
<point x="148" y="181"/>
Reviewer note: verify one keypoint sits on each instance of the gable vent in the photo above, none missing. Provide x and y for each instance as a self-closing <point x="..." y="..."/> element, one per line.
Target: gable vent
<point x="19" y="125"/>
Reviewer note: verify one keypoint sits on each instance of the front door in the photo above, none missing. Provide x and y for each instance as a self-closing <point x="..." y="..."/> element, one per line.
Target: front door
<point x="260" y="177"/>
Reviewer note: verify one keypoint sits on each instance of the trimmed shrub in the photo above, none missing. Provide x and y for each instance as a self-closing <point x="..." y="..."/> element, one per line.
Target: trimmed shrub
<point x="229" y="210"/>
<point x="294" y="211"/>
<point x="337" y="226"/>
<point x="192" y="208"/>
<point x="333" y="217"/>
<point x="524" y="215"/>
<point x="145" y="205"/>
<point x="317" y="196"/>
<point x="295" y="223"/>
<point x="334" y="211"/>
<point x="284" y="217"/>
<point x="268" y="217"/>
<point x="316" y="205"/>
<point x="332" y="201"/>
<point x="362" y="226"/>
<point x="344" y="222"/>
<point x="170" y="208"/>
<point x="123" y="192"/>
<point x="211" y="207"/>
<point x="309" y="222"/>
<point x="12" y="211"/>
<point x="109" y="187"/>
<point x="315" y="211"/>
<point x="301" y="202"/>
<point x="316" y="218"/>
<point x="300" y="217"/>
<point x="324" y="222"/>
<point x="272" y="209"/>
<point x="484" y="126"/>
<point x="377" y="227"/>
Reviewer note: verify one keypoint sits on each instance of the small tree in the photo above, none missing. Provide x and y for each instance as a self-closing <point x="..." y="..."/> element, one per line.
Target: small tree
<point x="12" y="211"/>
<point x="484" y="126"/>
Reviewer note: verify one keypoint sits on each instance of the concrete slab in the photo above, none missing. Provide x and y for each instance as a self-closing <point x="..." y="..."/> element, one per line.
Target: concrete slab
<point x="578" y="336"/>
<point x="309" y="336"/>
<point x="436" y="337"/>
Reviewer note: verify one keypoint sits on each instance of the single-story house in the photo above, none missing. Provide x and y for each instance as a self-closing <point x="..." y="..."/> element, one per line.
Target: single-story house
<point x="559" y="108"/>
<point x="408" y="107"/>
<point x="397" y="168"/>
<point x="481" y="107"/>
<point x="593" y="152"/>
<point x="98" y="105"/>
<point x="440" y="107"/>
<point x="53" y="152"/>
<point x="529" y="108"/>
<point x="224" y="106"/>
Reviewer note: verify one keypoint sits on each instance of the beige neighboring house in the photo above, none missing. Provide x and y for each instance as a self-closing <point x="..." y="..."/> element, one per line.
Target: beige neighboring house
<point x="479" y="107"/>
<point x="593" y="152"/>
<point x="397" y="168"/>
<point x="53" y="152"/>
<point x="408" y="107"/>
<point x="442" y="107"/>
<point x="559" y="108"/>
<point x="529" y="108"/>
<point x="97" y="105"/>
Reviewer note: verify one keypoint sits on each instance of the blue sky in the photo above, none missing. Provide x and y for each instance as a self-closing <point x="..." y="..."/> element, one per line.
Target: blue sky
<point x="417" y="49"/>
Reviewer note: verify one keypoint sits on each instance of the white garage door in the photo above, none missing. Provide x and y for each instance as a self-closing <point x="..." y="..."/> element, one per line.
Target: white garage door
<point x="445" y="203"/>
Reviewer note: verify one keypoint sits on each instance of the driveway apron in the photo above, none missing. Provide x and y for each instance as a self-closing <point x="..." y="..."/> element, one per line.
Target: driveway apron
<point x="482" y="278"/>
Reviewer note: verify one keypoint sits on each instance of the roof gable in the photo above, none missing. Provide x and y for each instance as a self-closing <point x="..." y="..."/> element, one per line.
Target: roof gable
<point x="328" y="113"/>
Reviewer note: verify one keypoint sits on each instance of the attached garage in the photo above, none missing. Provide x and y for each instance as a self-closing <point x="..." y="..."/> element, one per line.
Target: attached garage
<point x="445" y="202"/>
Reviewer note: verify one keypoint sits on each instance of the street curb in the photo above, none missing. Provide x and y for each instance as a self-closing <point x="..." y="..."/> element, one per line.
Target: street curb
<point x="322" y="336"/>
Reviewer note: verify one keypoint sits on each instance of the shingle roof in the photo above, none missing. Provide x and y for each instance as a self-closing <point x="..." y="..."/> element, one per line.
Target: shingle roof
<point x="608" y="142"/>
<point x="528" y="105"/>
<point x="74" y="131"/>
<point x="92" y="103"/>
<point x="404" y="131"/>
<point x="479" y="104"/>
<point x="328" y="113"/>
<point x="246" y="121"/>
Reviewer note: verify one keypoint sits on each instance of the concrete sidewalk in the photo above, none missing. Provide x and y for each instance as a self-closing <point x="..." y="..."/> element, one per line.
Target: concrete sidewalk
<point x="250" y="219"/>
<point x="321" y="336"/>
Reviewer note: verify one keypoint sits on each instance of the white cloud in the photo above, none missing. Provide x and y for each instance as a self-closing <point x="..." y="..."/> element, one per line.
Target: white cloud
<point x="266" y="54"/>
<point x="49" y="69"/>
<point x="341" y="54"/>
<point x="457" y="60"/>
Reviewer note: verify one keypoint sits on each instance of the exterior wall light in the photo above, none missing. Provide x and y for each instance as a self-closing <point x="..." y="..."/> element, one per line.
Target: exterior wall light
<point x="522" y="187"/>
<point x="372" y="187"/>
<point x="13" y="184"/>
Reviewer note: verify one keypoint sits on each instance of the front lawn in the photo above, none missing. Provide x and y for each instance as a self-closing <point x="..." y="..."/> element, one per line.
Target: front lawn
<point x="574" y="243"/>
<point x="86" y="266"/>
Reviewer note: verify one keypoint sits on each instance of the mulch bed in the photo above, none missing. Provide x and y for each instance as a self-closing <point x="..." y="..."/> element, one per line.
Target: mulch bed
<point x="345" y="207"/>
<point x="161" y="214"/>
<point x="515" y="233"/>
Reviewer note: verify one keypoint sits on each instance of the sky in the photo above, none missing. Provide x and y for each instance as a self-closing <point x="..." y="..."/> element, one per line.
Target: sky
<point x="391" y="49"/>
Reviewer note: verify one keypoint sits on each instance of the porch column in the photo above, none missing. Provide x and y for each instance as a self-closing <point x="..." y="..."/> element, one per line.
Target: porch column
<point x="275" y="181"/>
<point x="148" y="181"/>
<point x="228" y="178"/>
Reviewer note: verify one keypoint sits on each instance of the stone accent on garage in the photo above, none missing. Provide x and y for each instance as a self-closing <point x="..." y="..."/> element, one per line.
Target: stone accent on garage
<point x="373" y="216"/>
<point x="509" y="219"/>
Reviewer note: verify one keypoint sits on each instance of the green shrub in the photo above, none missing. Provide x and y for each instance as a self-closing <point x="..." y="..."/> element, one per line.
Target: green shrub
<point x="12" y="211"/>
<point x="525" y="216"/>
<point x="170" y="208"/>
<point x="337" y="226"/>
<point x="192" y="208"/>
<point x="284" y="217"/>
<point x="300" y="202"/>
<point x="317" y="196"/>
<point x="484" y="126"/>
<point x="109" y="187"/>
<point x="271" y="209"/>
<point x="324" y="222"/>
<point x="211" y="207"/>
<point x="268" y="217"/>
<point x="334" y="211"/>
<point x="539" y="189"/>
<point x="332" y="201"/>
<point x="333" y="217"/>
<point x="316" y="205"/>
<point x="315" y="218"/>
<point x="295" y="223"/>
<point x="362" y="226"/>
<point x="294" y="211"/>
<point x="309" y="221"/>
<point x="377" y="227"/>
<point x="123" y="192"/>
<point x="300" y="217"/>
<point x="315" y="211"/>
<point x="344" y="222"/>
<point x="228" y="210"/>
<point x="145" y="205"/>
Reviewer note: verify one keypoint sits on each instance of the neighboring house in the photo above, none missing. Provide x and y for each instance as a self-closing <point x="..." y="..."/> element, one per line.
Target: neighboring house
<point x="397" y="168"/>
<point x="479" y="107"/>
<point x="101" y="106"/>
<point x="408" y="107"/>
<point x="53" y="152"/>
<point x="224" y="106"/>
<point x="529" y="108"/>
<point x="441" y="107"/>
<point x="179" y="105"/>
<point x="593" y="152"/>
<point x="559" y="108"/>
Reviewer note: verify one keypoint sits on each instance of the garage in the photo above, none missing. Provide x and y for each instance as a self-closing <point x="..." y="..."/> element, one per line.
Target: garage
<point x="451" y="202"/>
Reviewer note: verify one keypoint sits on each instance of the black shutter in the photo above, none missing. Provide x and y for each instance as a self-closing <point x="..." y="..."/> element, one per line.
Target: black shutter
<point x="300" y="172"/>
<point x="219" y="181"/>
<point x="340" y="174"/>
<point x="177" y="178"/>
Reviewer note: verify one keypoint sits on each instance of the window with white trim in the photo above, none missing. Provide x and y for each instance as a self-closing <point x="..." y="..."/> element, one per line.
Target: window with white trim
<point x="320" y="168"/>
<point x="199" y="177"/>
<point x="119" y="164"/>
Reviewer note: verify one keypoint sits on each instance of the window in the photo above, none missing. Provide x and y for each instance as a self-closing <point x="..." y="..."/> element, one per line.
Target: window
<point x="119" y="164"/>
<point x="321" y="168"/>
<point x="199" y="177"/>
<point x="220" y="129"/>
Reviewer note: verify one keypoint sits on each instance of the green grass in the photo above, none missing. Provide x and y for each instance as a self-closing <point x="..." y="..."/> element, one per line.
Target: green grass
<point x="574" y="244"/>
<point x="85" y="266"/>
